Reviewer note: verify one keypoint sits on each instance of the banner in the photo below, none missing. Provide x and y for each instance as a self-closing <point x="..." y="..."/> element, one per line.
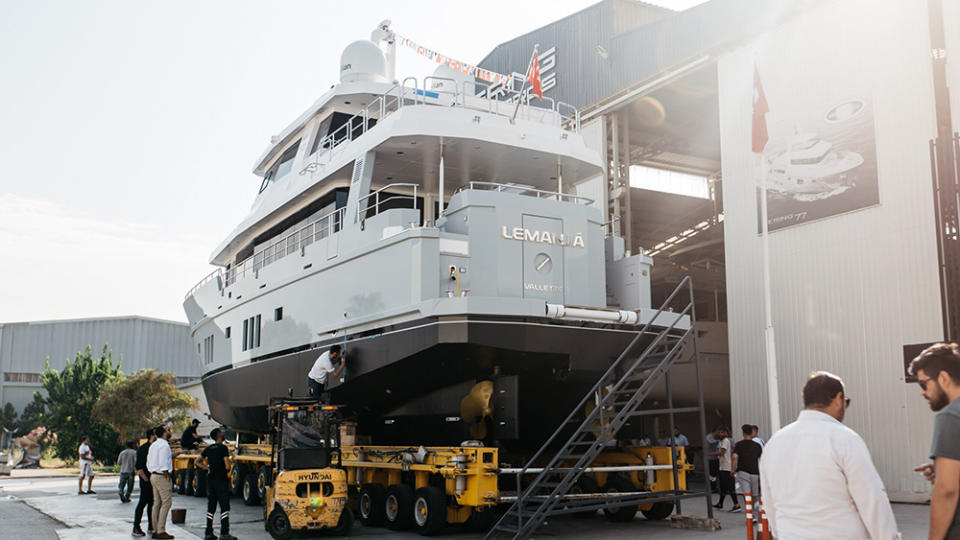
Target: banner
<point x="463" y="67"/>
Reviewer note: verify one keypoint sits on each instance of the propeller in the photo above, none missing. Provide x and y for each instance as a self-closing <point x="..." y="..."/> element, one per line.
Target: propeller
<point x="475" y="408"/>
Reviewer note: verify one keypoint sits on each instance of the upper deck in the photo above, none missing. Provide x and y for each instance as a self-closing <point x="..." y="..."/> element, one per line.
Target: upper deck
<point x="410" y="126"/>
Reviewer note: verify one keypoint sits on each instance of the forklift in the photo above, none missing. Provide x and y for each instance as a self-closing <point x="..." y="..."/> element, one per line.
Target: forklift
<point x="306" y="484"/>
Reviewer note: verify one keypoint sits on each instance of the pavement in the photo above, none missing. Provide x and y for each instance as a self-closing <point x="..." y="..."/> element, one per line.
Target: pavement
<point x="41" y="508"/>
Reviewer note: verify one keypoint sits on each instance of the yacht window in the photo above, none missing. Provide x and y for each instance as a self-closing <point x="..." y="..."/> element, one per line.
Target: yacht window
<point x="278" y="314"/>
<point x="322" y="131"/>
<point x="285" y="163"/>
<point x="228" y="332"/>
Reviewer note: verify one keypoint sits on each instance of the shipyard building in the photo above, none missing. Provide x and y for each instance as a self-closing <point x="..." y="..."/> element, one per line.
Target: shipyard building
<point x="860" y="164"/>
<point x="142" y="342"/>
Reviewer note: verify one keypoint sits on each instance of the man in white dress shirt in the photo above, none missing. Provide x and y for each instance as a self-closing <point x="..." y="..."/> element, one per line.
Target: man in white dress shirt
<point x="818" y="480"/>
<point x="160" y="465"/>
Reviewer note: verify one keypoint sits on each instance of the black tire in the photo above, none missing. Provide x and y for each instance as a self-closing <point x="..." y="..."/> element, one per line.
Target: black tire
<point x="344" y="524"/>
<point x="237" y="472"/>
<point x="371" y="503"/>
<point x="188" y="486"/>
<point x="658" y="511"/>
<point x="182" y="481"/>
<point x="199" y="483"/>
<point x="262" y="482"/>
<point x="429" y="510"/>
<point x="278" y="525"/>
<point x="399" y="507"/>
<point x="481" y="521"/>
<point x="251" y="495"/>
<point x="585" y="484"/>
<point x="619" y="484"/>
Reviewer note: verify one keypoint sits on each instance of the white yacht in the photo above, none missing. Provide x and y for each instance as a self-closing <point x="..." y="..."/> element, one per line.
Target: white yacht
<point x="810" y="166"/>
<point x="436" y="237"/>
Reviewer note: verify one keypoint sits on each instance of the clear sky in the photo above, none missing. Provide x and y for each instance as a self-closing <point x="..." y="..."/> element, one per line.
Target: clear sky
<point x="129" y="129"/>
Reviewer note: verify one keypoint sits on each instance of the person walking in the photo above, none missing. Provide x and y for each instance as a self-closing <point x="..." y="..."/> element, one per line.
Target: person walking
<point x="817" y="476"/>
<point x="217" y="465"/>
<point x="322" y="368"/>
<point x="160" y="465"/>
<point x="146" y="490"/>
<point x="725" y="467"/>
<point x="713" y="439"/>
<point x="127" y="460"/>
<point x="937" y="370"/>
<point x="745" y="463"/>
<point x="86" y="466"/>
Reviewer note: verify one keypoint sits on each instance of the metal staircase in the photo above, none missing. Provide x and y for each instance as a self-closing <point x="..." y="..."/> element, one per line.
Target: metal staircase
<point x="618" y="395"/>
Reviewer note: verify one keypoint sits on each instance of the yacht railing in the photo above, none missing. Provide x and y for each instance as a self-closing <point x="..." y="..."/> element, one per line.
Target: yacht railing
<point x="483" y="97"/>
<point x="526" y="190"/>
<point x="364" y="207"/>
<point x="206" y="279"/>
<point x="288" y="245"/>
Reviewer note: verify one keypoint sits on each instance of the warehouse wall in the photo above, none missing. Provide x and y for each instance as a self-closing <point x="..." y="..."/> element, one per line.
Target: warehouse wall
<point x="142" y="342"/>
<point x="849" y="290"/>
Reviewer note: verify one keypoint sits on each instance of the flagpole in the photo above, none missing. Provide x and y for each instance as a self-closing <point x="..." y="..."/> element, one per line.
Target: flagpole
<point x="523" y="85"/>
<point x="773" y="391"/>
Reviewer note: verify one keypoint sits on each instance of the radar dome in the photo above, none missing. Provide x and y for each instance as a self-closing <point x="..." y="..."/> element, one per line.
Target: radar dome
<point x="362" y="61"/>
<point x="442" y="84"/>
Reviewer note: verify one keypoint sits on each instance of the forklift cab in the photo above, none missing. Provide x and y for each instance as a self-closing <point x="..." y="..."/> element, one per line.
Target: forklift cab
<point x="306" y="485"/>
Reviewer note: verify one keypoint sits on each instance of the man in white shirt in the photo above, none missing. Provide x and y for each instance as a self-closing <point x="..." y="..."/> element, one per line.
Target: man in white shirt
<point x="160" y="465"/>
<point x="85" y="456"/>
<point x="725" y="466"/>
<point x="818" y="480"/>
<point x="756" y="436"/>
<point x="322" y="368"/>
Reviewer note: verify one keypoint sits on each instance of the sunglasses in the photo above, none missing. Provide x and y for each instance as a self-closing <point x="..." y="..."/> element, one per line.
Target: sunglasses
<point x="923" y="383"/>
<point x="847" y="401"/>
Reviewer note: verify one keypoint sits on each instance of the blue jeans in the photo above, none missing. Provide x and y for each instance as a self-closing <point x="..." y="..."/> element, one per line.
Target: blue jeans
<point x="315" y="388"/>
<point x="126" y="479"/>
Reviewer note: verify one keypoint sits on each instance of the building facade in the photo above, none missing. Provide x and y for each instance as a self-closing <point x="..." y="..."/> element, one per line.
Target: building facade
<point x="137" y="343"/>
<point x="860" y="94"/>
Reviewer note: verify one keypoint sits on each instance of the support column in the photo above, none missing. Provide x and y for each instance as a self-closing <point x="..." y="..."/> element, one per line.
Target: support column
<point x="614" y="165"/>
<point x="625" y="177"/>
<point x="440" y="181"/>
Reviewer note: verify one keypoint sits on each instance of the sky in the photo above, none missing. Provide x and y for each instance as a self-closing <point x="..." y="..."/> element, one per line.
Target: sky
<point x="129" y="129"/>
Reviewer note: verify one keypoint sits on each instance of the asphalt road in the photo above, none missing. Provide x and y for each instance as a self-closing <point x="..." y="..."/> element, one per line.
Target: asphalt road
<point x="49" y="508"/>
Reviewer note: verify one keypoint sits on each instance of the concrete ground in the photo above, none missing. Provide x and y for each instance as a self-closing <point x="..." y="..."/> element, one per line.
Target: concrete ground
<point x="49" y="508"/>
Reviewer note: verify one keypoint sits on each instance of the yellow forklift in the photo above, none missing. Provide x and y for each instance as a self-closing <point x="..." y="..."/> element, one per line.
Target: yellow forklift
<point x="306" y="484"/>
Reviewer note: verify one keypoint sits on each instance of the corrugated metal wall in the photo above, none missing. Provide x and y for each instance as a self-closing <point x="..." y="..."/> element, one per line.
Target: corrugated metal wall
<point x="143" y="343"/>
<point x="850" y="290"/>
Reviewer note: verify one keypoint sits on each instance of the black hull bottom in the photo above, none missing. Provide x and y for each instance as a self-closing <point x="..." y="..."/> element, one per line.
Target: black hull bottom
<point x="405" y="383"/>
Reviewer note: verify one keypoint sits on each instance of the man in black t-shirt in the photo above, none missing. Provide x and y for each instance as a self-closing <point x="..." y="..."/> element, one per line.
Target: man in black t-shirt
<point x="217" y="457"/>
<point x="190" y="439"/>
<point x="146" y="490"/>
<point x="746" y="466"/>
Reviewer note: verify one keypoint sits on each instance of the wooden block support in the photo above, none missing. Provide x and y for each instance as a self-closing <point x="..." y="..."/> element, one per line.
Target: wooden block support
<point x="694" y="523"/>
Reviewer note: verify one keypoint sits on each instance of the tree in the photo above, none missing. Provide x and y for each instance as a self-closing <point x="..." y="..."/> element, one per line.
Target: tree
<point x="31" y="416"/>
<point x="71" y="395"/>
<point x="8" y="417"/>
<point x="145" y="399"/>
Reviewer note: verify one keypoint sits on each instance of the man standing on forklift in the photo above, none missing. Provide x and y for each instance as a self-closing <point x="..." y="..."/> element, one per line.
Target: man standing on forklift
<point x="218" y="487"/>
<point x="317" y="378"/>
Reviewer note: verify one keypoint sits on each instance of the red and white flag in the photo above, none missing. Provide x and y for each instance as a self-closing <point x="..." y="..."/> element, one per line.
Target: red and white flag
<point x="536" y="85"/>
<point x="760" y="109"/>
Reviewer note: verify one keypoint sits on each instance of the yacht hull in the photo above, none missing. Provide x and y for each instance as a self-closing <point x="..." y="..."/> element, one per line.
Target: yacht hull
<point x="404" y="383"/>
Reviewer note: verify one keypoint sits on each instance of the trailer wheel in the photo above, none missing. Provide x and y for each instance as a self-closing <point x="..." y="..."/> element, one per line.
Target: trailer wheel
<point x="585" y="484"/>
<point x="619" y="484"/>
<point x="373" y="498"/>
<point x="481" y="521"/>
<point x="182" y="481"/>
<point x="344" y="524"/>
<point x="658" y="511"/>
<point x="188" y="482"/>
<point x="429" y="510"/>
<point x="199" y="483"/>
<point x="399" y="507"/>
<point x="278" y="525"/>
<point x="263" y="481"/>
<point x="237" y="472"/>
<point x="251" y="495"/>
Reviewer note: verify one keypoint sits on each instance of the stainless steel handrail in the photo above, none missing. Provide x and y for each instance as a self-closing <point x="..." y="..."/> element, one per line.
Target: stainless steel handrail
<point x="526" y="190"/>
<point x="361" y="208"/>
<point x="318" y="229"/>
